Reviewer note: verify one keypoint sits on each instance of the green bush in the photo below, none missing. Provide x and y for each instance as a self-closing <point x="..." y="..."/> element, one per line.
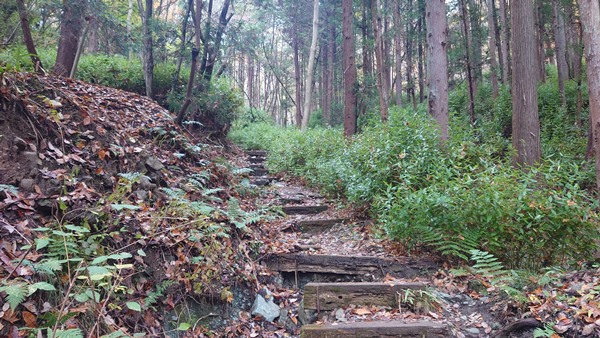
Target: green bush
<point x="214" y="108"/>
<point x="17" y="58"/>
<point x="463" y="196"/>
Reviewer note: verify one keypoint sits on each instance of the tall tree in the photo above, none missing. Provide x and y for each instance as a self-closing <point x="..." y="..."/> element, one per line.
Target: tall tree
<point x="466" y="30"/>
<point x="311" y="65"/>
<point x="71" y="28"/>
<point x="37" y="63"/>
<point x="525" y="120"/>
<point x="379" y="55"/>
<point x="437" y="63"/>
<point x="398" y="47"/>
<point x="560" y="42"/>
<point x="148" y="50"/>
<point x="590" y="18"/>
<point x="349" y="69"/>
<point x="504" y="43"/>
<point x="492" y="48"/>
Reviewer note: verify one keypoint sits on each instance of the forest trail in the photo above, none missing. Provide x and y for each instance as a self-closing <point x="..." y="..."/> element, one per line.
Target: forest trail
<point x="353" y="284"/>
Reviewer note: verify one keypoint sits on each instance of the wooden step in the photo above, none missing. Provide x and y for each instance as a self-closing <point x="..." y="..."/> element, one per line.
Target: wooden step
<point x="256" y="160"/>
<point x="317" y="225"/>
<point x="375" y="329"/>
<point x="331" y="296"/>
<point x="262" y="181"/>
<point x="260" y="153"/>
<point x="259" y="172"/>
<point x="303" y="209"/>
<point x="349" y="265"/>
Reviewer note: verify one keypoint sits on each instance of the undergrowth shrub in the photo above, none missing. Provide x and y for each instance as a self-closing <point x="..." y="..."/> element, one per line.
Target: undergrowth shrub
<point x="456" y="198"/>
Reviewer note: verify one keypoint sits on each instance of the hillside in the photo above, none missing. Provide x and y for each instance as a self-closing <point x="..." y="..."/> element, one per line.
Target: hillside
<point x="114" y="218"/>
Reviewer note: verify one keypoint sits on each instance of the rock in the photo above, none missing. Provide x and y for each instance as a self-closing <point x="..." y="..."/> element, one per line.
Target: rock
<point x="307" y="316"/>
<point x="473" y="330"/>
<point x="27" y="184"/>
<point x="31" y="158"/>
<point x="20" y="144"/>
<point x="146" y="183"/>
<point x="153" y="164"/>
<point x="141" y="195"/>
<point x="265" y="307"/>
<point x="340" y="315"/>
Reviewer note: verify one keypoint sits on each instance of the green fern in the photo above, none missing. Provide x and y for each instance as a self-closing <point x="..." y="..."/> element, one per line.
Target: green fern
<point x="241" y="171"/>
<point x="153" y="296"/>
<point x="71" y="333"/>
<point x="486" y="263"/>
<point x="16" y="292"/>
<point x="451" y="245"/>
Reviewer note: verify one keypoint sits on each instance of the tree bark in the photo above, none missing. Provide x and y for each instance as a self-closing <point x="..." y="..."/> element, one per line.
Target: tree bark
<point x="381" y="82"/>
<point x="506" y="60"/>
<point x="148" y="51"/>
<point x="328" y="64"/>
<point x="311" y="66"/>
<point x="560" y="42"/>
<point x="28" y="39"/>
<point x="590" y="18"/>
<point x="469" y="61"/>
<point x="349" y="67"/>
<point x="492" y="48"/>
<point x="437" y="64"/>
<point x="398" y="47"/>
<point x="71" y="27"/>
<point x="297" y="77"/>
<point x="420" y="56"/>
<point x="194" y="65"/>
<point x="525" y="120"/>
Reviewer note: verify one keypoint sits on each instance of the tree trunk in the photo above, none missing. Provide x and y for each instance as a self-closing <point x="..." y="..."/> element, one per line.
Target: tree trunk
<point x="476" y="36"/>
<point x="147" y="52"/>
<point x="194" y="65"/>
<point x="525" y="120"/>
<point x="492" y="48"/>
<point x="420" y="57"/>
<point x="71" y="27"/>
<point x="398" y="47"/>
<point x="297" y="76"/>
<point x="506" y="60"/>
<point x="311" y="65"/>
<point x="328" y="63"/>
<point x="37" y="63"/>
<point x="541" y="55"/>
<point x="349" y="69"/>
<point x="590" y="18"/>
<point x="437" y="64"/>
<point x="466" y="30"/>
<point x="560" y="42"/>
<point x="381" y="82"/>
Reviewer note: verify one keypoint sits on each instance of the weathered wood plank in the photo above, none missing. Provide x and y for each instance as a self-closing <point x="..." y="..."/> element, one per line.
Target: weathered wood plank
<point x="261" y="153"/>
<point x="317" y="225"/>
<point x="257" y="159"/>
<point x="349" y="265"/>
<point x="263" y="181"/>
<point x="259" y="172"/>
<point x="376" y="329"/>
<point x="303" y="209"/>
<point x="330" y="296"/>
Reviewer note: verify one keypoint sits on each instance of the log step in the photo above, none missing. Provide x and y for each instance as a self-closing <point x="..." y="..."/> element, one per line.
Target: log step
<point x="263" y="181"/>
<point x="260" y="153"/>
<point x="303" y="209"/>
<point x="331" y="296"/>
<point x="259" y="172"/>
<point x="317" y="225"/>
<point x="374" y="329"/>
<point x="256" y="160"/>
<point x="349" y="265"/>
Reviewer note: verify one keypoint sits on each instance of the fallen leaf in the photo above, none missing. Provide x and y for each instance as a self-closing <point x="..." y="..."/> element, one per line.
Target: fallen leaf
<point x="361" y="311"/>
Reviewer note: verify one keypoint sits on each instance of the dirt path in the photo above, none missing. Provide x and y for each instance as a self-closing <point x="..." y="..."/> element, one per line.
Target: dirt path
<point x="349" y="283"/>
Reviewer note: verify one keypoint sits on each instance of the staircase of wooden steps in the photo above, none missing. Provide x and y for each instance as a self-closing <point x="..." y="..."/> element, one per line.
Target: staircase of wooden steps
<point x="366" y="274"/>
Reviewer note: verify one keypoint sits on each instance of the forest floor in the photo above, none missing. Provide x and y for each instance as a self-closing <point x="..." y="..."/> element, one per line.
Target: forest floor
<point x="141" y="227"/>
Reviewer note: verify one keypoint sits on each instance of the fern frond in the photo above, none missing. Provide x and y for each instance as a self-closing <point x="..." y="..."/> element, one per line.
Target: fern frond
<point x="486" y="263"/>
<point x="71" y="333"/>
<point x="15" y="293"/>
<point x="241" y="171"/>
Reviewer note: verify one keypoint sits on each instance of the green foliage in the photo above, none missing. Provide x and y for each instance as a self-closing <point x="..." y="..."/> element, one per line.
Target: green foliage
<point x="214" y="107"/>
<point x="455" y="199"/>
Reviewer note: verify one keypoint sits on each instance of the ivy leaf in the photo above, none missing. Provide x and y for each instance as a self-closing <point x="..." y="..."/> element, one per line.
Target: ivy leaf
<point x="183" y="326"/>
<point x="120" y="207"/>
<point x="135" y="306"/>
<point x="98" y="272"/>
<point x="41" y="286"/>
<point x="41" y="243"/>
